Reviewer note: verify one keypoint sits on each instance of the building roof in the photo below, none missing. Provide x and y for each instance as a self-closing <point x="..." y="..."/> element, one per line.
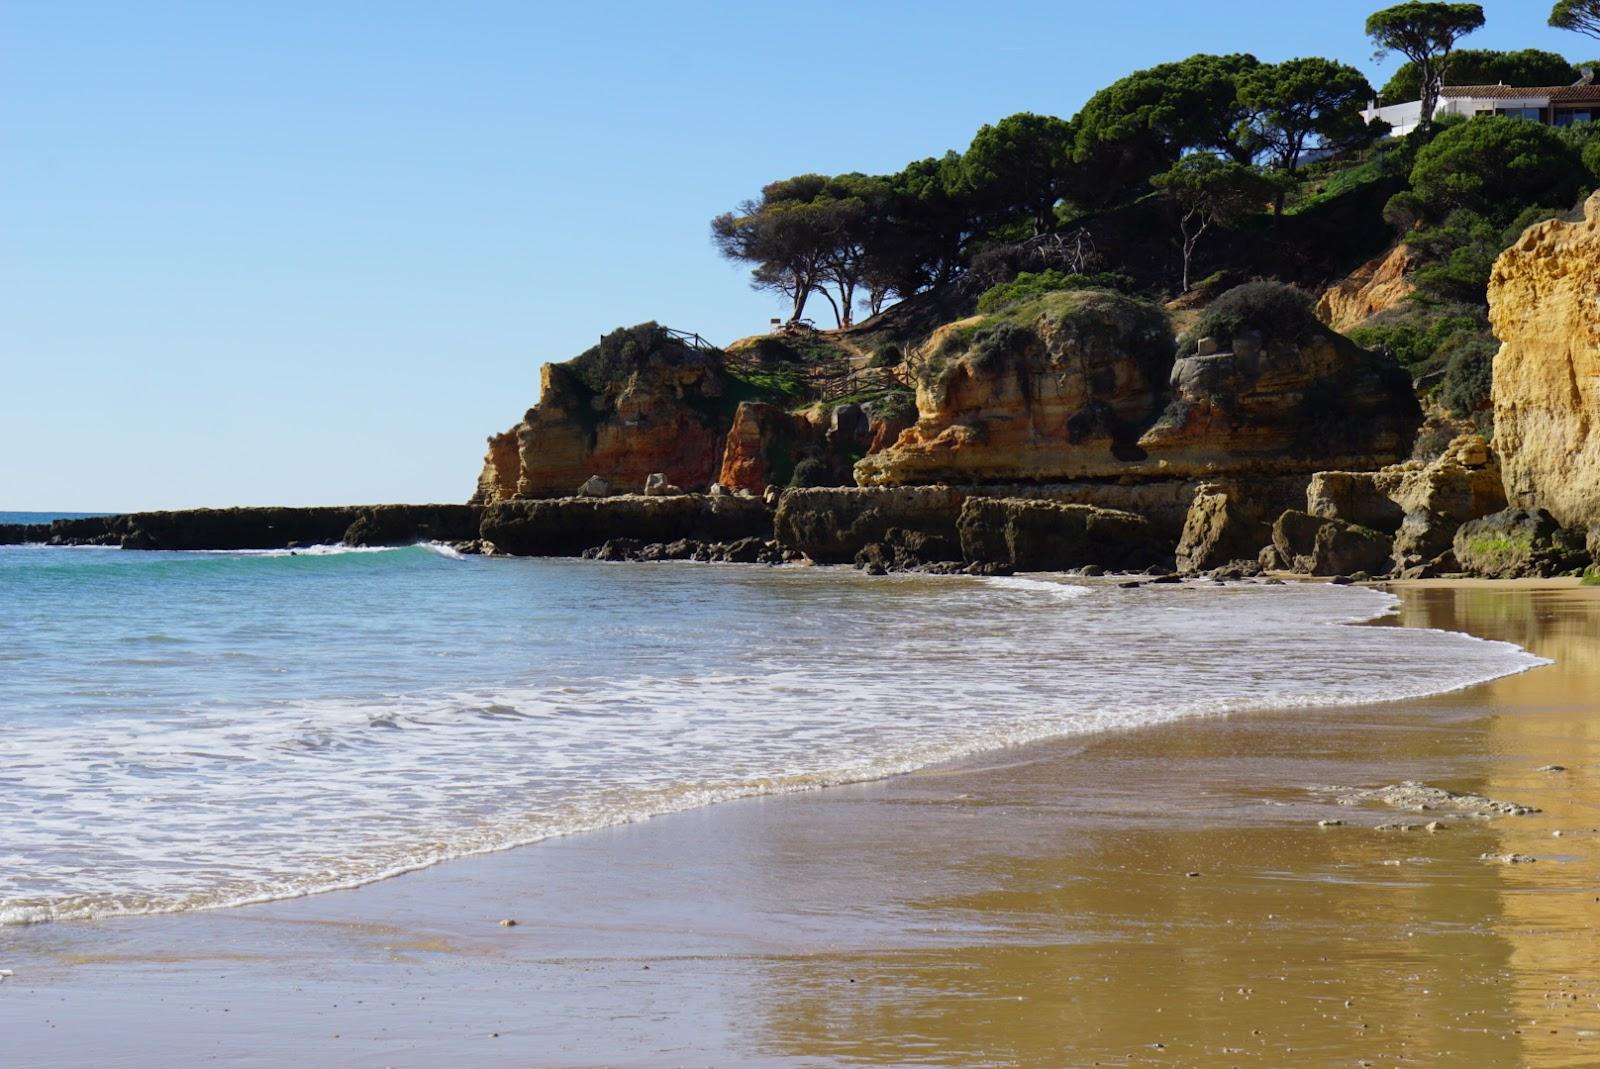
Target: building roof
<point x="1556" y="94"/>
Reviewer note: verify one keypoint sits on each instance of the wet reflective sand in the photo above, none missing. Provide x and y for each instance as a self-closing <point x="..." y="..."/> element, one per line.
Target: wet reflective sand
<point x="1157" y="898"/>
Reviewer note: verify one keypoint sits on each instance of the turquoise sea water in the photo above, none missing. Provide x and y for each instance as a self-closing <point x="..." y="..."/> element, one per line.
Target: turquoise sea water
<point x="188" y="730"/>
<point x="43" y="517"/>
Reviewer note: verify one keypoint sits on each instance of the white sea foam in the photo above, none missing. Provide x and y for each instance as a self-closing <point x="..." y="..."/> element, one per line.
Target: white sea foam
<point x="261" y="730"/>
<point x="328" y="550"/>
<point x="1041" y="586"/>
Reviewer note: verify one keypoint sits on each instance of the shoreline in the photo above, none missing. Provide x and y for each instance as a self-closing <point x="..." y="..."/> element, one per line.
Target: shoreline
<point x="673" y="915"/>
<point x="957" y="756"/>
<point x="774" y="787"/>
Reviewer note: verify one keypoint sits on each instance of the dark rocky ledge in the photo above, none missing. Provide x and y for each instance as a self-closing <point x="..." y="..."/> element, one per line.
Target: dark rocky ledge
<point x="566" y="527"/>
<point x="258" y="528"/>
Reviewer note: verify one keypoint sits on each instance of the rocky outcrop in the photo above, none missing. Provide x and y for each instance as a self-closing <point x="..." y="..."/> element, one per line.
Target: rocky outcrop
<point x="272" y="528"/>
<point x="1222" y="525"/>
<point x="641" y="401"/>
<point x="1084" y="385"/>
<point x="902" y="550"/>
<point x="1519" y="543"/>
<point x="1231" y="520"/>
<point x="1315" y="545"/>
<point x="1058" y="389"/>
<point x="766" y="443"/>
<point x="744" y="551"/>
<point x="1376" y="286"/>
<point x="567" y="527"/>
<point x="18" y="534"/>
<point x="1421" y="505"/>
<point x="1034" y="536"/>
<point x="1278" y="405"/>
<point x="831" y="525"/>
<point x="502" y="470"/>
<point x="1543" y="307"/>
<point x="404" y="525"/>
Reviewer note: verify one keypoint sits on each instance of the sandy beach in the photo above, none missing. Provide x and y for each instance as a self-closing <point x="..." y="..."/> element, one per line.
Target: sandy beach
<point x="1163" y="897"/>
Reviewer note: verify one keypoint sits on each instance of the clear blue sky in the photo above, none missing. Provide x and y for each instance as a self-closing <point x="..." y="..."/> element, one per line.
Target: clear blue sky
<point x="312" y="253"/>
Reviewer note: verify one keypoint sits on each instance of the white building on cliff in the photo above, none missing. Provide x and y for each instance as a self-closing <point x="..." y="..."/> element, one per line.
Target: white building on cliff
<point x="1557" y="105"/>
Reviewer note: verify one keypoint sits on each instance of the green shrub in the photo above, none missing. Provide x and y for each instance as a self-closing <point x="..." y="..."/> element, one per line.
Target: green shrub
<point x="1424" y="335"/>
<point x="1030" y="284"/>
<point x="1215" y="283"/>
<point x="886" y="355"/>
<point x="1462" y="275"/>
<point x="895" y="405"/>
<point x="1468" y="374"/>
<point x="1280" y="312"/>
<point x="1529" y="217"/>
<point x="1591" y="575"/>
<point x="1461" y="251"/>
<point x="993" y="346"/>
<point x="811" y="472"/>
<point x="622" y="352"/>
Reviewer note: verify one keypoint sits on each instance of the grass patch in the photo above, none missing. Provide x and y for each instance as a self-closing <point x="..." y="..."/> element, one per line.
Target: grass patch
<point x="1334" y="179"/>
<point x="1499" y="547"/>
<point x="1031" y="284"/>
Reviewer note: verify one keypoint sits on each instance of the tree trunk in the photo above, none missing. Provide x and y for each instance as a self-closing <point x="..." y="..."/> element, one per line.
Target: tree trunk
<point x="801" y="292"/>
<point x="837" y="318"/>
<point x="1190" y="240"/>
<point x="1432" y="84"/>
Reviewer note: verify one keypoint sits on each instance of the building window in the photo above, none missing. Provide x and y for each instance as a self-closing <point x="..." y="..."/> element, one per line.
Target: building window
<point x="1536" y="114"/>
<point x="1572" y="115"/>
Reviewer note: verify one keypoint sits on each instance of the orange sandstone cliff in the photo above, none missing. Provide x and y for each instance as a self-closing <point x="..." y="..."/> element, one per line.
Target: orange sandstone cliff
<point x="1544" y="304"/>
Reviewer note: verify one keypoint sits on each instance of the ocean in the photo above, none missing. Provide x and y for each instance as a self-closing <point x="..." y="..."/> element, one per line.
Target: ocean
<point x="194" y="730"/>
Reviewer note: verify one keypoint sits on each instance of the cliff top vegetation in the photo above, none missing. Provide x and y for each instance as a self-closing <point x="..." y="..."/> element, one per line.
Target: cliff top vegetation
<point x="1185" y="179"/>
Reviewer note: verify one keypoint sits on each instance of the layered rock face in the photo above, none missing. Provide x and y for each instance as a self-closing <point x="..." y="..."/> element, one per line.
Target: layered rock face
<point x="1084" y="385"/>
<point x="1060" y="389"/>
<point x="1376" y="286"/>
<point x="1544" y="307"/>
<point x="1278" y="405"/>
<point x="1223" y="525"/>
<point x="650" y="407"/>
<point x="502" y="470"/>
<point x="766" y="442"/>
<point x="762" y="446"/>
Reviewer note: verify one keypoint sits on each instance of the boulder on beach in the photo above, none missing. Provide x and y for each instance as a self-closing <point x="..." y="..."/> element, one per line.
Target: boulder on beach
<point x="1518" y="544"/>
<point x="1316" y="545"/>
